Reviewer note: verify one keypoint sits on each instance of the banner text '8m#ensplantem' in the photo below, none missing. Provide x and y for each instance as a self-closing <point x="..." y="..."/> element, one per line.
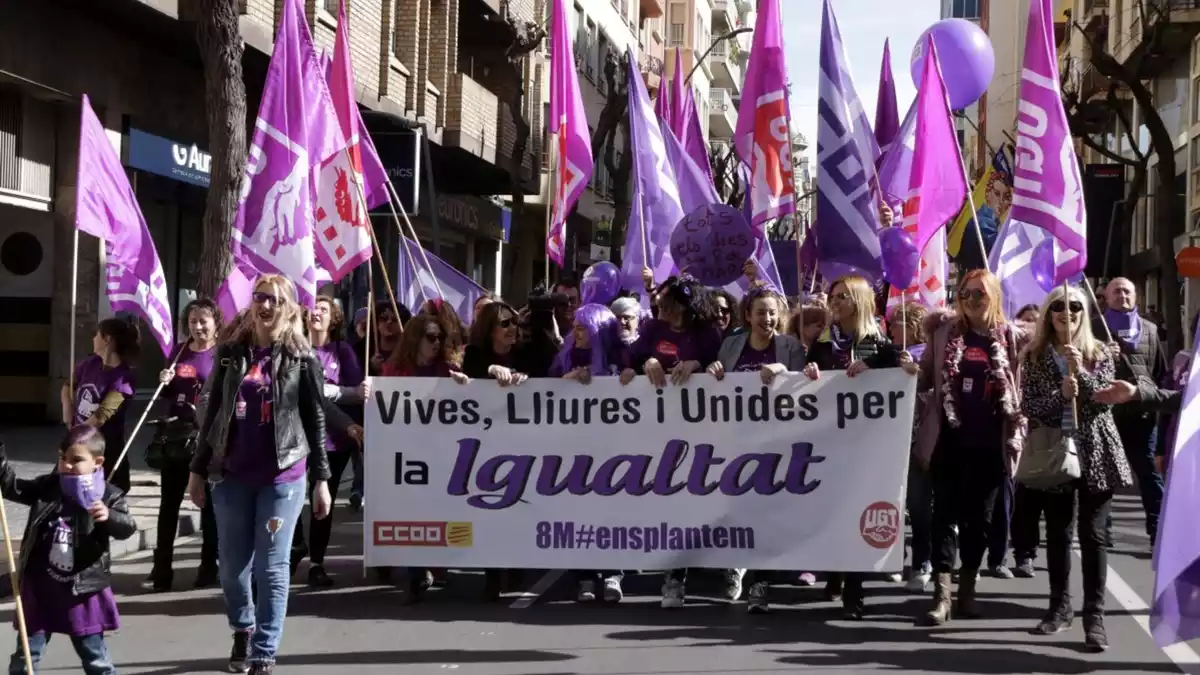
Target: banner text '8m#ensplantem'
<point x="556" y="474"/>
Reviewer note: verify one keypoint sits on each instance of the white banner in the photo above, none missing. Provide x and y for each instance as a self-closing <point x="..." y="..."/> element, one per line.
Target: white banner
<point x="800" y="475"/>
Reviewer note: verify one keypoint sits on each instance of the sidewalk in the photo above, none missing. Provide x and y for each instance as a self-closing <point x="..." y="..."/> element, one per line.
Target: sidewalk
<point x="32" y="451"/>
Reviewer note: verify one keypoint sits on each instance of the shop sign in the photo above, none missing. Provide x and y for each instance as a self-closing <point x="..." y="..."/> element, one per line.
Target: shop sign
<point x="400" y="154"/>
<point x="467" y="212"/>
<point x="183" y="162"/>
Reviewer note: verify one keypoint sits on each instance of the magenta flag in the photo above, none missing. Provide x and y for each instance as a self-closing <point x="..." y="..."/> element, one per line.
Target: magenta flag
<point x="763" y="129"/>
<point x="107" y="208"/>
<point x="937" y="184"/>
<point x="569" y="126"/>
<point x="295" y="132"/>
<point x="887" y="111"/>
<point x="662" y="102"/>
<point x="693" y="137"/>
<point x="1047" y="187"/>
<point x="352" y="181"/>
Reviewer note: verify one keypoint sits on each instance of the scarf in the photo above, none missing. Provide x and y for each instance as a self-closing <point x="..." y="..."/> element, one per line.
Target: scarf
<point x="1125" y="326"/>
<point x="998" y="368"/>
<point x="1068" y="415"/>
<point x="843" y="345"/>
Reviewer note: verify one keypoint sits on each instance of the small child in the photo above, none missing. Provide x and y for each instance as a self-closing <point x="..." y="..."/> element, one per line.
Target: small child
<point x="64" y="561"/>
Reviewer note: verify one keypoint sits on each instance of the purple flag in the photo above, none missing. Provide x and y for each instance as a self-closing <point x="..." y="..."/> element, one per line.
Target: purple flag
<point x="678" y="100"/>
<point x="887" y="113"/>
<point x="107" y="208"/>
<point x="295" y="132"/>
<point x="662" y="103"/>
<point x="656" y="198"/>
<point x="1011" y="261"/>
<point x="938" y="184"/>
<point x="693" y="136"/>
<point x="1047" y="188"/>
<point x="571" y="141"/>
<point x="847" y="204"/>
<point x="418" y="284"/>
<point x="1175" y="615"/>
<point x="895" y="167"/>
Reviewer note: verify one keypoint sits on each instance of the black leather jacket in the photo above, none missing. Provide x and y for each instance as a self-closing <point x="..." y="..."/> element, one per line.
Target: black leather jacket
<point x="300" y="410"/>
<point x="43" y="496"/>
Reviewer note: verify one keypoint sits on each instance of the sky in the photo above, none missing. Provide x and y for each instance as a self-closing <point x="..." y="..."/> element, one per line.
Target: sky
<point x="864" y="25"/>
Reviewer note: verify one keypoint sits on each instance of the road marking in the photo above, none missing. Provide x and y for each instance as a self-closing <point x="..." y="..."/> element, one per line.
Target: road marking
<point x="1182" y="655"/>
<point x="529" y="597"/>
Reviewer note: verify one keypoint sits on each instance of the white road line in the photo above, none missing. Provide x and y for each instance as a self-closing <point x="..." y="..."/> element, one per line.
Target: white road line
<point x="1182" y="655"/>
<point x="529" y="597"/>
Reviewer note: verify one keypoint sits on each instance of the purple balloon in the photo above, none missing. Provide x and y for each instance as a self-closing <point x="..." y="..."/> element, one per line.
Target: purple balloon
<point x="1043" y="266"/>
<point x="965" y="55"/>
<point x="601" y="284"/>
<point x="713" y="244"/>
<point x="900" y="257"/>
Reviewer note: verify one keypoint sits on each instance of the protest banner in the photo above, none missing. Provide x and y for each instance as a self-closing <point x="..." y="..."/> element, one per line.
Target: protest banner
<point x="557" y="474"/>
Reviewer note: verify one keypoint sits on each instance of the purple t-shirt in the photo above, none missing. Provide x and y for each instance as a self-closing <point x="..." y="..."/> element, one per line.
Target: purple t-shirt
<point x="191" y="372"/>
<point x="752" y="360"/>
<point x="93" y="382"/>
<point x="657" y="340"/>
<point x="976" y="392"/>
<point x="341" y="368"/>
<point x="47" y="592"/>
<point x="252" y="456"/>
<point x="581" y="357"/>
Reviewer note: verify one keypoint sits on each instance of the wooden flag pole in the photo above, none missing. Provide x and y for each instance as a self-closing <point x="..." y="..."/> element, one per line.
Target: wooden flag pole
<point x="22" y="630"/>
<point x="551" y="195"/>
<point x="145" y="413"/>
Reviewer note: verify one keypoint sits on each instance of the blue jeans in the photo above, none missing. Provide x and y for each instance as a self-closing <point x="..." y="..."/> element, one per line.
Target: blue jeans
<point x="919" y="503"/>
<point x="93" y="654"/>
<point x="255" y="525"/>
<point x="1001" y="523"/>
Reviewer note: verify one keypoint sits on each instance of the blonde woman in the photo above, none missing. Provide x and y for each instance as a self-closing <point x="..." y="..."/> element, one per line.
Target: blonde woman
<point x="1066" y="364"/>
<point x="970" y="433"/>
<point x="854" y="344"/>
<point x="262" y="436"/>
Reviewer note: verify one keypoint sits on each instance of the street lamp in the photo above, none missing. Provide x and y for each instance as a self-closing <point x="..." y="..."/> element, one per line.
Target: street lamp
<point x="716" y="41"/>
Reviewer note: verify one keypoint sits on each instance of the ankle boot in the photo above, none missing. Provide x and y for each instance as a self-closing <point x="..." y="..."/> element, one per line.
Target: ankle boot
<point x="940" y="612"/>
<point x="967" y="607"/>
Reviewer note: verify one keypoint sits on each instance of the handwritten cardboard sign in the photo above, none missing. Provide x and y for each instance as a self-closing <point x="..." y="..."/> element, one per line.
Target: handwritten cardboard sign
<point x="712" y="244"/>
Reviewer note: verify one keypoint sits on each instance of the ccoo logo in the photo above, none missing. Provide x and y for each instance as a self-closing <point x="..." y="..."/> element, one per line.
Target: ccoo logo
<point x="880" y="525"/>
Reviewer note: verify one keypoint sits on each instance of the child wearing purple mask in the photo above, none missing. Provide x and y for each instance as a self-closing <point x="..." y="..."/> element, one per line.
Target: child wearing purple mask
<point x="64" y="562"/>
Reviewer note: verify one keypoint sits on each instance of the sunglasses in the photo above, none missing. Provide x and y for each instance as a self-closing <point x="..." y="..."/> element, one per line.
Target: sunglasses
<point x="433" y="338"/>
<point x="840" y="297"/>
<point x="265" y="298"/>
<point x="1058" y="306"/>
<point x="725" y="311"/>
<point x="968" y="294"/>
<point x="506" y="323"/>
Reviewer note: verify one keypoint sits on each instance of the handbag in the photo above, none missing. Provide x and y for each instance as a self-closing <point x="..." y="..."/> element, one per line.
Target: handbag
<point x="1049" y="459"/>
<point x="174" y="443"/>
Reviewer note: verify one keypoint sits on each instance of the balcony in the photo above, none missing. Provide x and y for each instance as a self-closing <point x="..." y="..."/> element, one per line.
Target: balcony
<point x="471" y="114"/>
<point x="724" y="16"/>
<point x="722" y="115"/>
<point x="1172" y="26"/>
<point x="652" y="69"/>
<point x="652" y="9"/>
<point x="726" y="67"/>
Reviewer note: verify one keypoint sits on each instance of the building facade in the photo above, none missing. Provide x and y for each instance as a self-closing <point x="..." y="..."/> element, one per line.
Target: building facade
<point x="418" y="63"/>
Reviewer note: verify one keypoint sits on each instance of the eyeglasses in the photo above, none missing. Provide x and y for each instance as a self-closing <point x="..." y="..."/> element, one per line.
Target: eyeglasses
<point x="839" y="297"/>
<point x="265" y="299"/>
<point x="1058" y="306"/>
<point x="433" y="338"/>
<point x="968" y="294"/>
<point x="506" y="323"/>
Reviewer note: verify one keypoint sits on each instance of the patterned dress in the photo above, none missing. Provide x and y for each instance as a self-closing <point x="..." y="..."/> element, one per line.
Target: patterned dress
<point x="1101" y="455"/>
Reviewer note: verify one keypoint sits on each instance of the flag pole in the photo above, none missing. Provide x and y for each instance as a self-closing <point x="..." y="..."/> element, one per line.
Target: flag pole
<point x="404" y="247"/>
<point x="983" y="253"/>
<point x="551" y="194"/>
<point x="1092" y="298"/>
<point x="74" y="304"/>
<point x="22" y="630"/>
<point x="145" y="413"/>
<point x="400" y="228"/>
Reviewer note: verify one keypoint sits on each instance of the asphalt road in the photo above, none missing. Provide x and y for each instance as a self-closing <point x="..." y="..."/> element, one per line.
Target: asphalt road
<point x="364" y="627"/>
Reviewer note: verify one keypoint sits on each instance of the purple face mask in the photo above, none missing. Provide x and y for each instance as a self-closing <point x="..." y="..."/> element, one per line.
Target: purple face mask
<point x="84" y="490"/>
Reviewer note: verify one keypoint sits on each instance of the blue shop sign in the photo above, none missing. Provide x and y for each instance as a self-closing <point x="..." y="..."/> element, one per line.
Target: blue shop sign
<point x="163" y="156"/>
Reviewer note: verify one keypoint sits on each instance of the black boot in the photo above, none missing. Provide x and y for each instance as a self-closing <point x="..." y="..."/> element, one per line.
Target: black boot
<point x="1094" y="635"/>
<point x="968" y="608"/>
<point x="1058" y="617"/>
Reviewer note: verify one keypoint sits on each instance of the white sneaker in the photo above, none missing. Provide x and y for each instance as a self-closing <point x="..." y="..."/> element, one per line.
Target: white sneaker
<point x="733" y="583"/>
<point x="612" y="590"/>
<point x="920" y="579"/>
<point x="673" y="594"/>
<point x="895" y="577"/>
<point x="587" y="591"/>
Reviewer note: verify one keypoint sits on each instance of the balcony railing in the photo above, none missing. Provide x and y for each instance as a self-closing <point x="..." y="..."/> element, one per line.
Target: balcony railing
<point x="725" y="15"/>
<point x="727" y="71"/>
<point x="722" y="115"/>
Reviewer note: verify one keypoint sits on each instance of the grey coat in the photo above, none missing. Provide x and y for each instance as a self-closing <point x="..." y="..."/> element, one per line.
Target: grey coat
<point x="788" y="351"/>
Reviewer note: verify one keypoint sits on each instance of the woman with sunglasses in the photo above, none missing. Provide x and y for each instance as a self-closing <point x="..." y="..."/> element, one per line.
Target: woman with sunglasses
<point x="969" y="434"/>
<point x="728" y="321"/>
<point x="854" y="344"/>
<point x="262" y="438"/>
<point x="1062" y="370"/>
<point x="494" y="352"/>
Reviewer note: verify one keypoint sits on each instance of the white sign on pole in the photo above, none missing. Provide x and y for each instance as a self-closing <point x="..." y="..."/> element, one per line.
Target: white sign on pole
<point x="555" y="474"/>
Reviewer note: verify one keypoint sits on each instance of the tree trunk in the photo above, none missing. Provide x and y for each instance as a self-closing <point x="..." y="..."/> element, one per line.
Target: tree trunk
<point x="1123" y="228"/>
<point x="220" y="41"/>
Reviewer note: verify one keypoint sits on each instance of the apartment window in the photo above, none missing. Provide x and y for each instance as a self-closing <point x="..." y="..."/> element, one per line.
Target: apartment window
<point x="602" y="47"/>
<point x="331" y="6"/>
<point x="26" y="145"/>
<point x="678" y="25"/>
<point x="600" y="179"/>
<point x="965" y="9"/>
